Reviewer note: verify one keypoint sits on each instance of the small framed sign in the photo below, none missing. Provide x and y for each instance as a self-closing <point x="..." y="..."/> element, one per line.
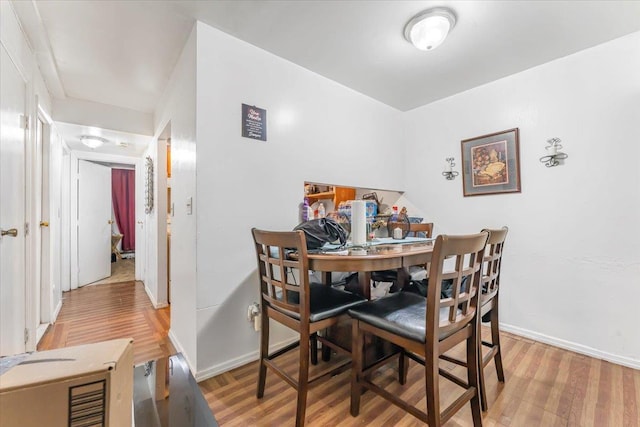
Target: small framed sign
<point x="254" y="122"/>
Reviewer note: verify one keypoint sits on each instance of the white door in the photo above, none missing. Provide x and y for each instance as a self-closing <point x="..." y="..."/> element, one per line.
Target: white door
<point x="94" y="222"/>
<point x="12" y="208"/>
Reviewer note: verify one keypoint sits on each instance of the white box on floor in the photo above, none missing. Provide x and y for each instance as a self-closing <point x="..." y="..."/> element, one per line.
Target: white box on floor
<point x="75" y="386"/>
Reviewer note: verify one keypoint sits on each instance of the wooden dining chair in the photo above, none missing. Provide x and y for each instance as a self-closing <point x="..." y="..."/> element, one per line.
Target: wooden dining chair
<point x="491" y="267"/>
<point x="422" y="227"/>
<point x="415" y="229"/>
<point x="425" y="328"/>
<point x="289" y="298"/>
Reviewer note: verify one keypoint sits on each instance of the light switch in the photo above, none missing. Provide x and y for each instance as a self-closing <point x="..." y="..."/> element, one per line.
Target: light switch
<point x="189" y="206"/>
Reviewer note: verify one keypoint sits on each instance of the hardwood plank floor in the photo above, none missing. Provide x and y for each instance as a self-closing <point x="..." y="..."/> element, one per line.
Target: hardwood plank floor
<point x="103" y="312"/>
<point x="545" y="386"/>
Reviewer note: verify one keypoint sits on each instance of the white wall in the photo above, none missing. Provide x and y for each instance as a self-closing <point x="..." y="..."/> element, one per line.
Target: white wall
<point x="21" y="53"/>
<point x="318" y="131"/>
<point x="572" y="260"/>
<point x="155" y="225"/>
<point x="65" y="220"/>
<point x="177" y="109"/>
<point x="55" y="223"/>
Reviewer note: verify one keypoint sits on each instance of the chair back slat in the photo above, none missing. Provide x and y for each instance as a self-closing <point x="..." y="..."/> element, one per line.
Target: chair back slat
<point x="492" y="261"/>
<point x="456" y="258"/>
<point x="422" y="227"/>
<point x="283" y="270"/>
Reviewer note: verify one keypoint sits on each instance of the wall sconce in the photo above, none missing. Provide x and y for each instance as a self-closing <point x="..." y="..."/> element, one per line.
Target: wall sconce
<point x="554" y="155"/>
<point x="449" y="173"/>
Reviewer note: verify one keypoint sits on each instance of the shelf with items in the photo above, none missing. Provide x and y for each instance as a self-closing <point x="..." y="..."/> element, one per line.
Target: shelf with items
<point x="320" y="196"/>
<point x="333" y="193"/>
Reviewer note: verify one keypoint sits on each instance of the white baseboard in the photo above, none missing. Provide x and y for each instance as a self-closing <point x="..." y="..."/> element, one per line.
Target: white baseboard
<point x="572" y="346"/>
<point x="40" y="330"/>
<point x="152" y="298"/>
<point x="556" y="342"/>
<point x="56" y="311"/>
<point x="238" y="361"/>
<point x="176" y="343"/>
<point x="155" y="303"/>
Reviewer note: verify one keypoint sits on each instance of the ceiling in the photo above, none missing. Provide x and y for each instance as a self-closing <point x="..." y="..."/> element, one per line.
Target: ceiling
<point x="120" y="143"/>
<point x="122" y="52"/>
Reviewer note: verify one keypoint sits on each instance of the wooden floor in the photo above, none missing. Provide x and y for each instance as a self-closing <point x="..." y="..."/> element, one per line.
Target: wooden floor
<point x="545" y="386"/>
<point x="103" y="312"/>
<point x="123" y="270"/>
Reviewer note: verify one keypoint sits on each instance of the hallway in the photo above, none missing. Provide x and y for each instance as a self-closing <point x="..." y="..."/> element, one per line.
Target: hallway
<point x="103" y="312"/>
<point x="123" y="270"/>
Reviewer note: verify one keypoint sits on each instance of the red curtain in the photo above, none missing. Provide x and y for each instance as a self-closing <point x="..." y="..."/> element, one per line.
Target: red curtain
<point x="123" y="189"/>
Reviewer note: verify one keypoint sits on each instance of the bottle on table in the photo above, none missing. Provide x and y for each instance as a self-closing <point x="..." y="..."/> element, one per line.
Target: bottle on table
<point x="321" y="211"/>
<point x="396" y="232"/>
<point x="305" y="210"/>
<point x="394" y="214"/>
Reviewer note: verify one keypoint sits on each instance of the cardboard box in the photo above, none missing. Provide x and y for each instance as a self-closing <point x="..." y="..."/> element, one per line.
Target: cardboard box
<point x="87" y="385"/>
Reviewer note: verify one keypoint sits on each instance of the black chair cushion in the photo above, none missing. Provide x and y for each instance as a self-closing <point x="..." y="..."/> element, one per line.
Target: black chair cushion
<point x="384" y="276"/>
<point x="403" y="314"/>
<point x="325" y="302"/>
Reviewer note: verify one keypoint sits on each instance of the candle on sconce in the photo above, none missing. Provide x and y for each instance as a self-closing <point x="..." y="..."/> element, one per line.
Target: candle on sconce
<point x="552" y="149"/>
<point x="448" y="167"/>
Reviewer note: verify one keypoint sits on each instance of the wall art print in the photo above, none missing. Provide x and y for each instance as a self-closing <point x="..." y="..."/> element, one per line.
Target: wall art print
<point x="491" y="164"/>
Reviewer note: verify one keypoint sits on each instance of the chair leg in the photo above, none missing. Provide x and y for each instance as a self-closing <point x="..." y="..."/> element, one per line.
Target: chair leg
<point x="431" y="374"/>
<point x="357" y="342"/>
<point x="303" y="380"/>
<point x="326" y="353"/>
<point x="473" y="362"/>
<point x="403" y="367"/>
<point x="313" y="345"/>
<point x="264" y="353"/>
<point x="495" y="338"/>
<point x="481" y="380"/>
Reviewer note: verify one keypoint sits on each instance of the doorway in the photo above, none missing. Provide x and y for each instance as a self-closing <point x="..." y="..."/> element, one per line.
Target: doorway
<point x="109" y="224"/>
<point x="123" y="226"/>
<point x="106" y="192"/>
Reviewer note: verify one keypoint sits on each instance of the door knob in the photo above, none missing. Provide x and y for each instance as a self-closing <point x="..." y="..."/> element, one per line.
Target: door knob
<point x="10" y="232"/>
<point x="44" y="223"/>
<point x="110" y="221"/>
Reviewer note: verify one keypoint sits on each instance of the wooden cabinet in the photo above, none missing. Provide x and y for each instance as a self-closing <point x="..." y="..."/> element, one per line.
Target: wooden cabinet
<point x="336" y="194"/>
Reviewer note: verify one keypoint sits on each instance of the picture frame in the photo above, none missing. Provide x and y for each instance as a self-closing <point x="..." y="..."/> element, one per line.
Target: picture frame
<point x="491" y="164"/>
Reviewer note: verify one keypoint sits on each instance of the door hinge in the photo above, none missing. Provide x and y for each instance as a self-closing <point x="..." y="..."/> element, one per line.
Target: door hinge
<point x="24" y="121"/>
<point x="26" y="335"/>
<point x="26" y="229"/>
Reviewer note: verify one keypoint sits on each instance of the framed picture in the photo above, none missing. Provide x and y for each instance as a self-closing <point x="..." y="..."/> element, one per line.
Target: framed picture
<point x="491" y="164"/>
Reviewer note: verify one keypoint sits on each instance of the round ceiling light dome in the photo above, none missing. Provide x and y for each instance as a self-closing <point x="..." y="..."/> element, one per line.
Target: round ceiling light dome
<point x="427" y="30"/>
<point x="92" y="141"/>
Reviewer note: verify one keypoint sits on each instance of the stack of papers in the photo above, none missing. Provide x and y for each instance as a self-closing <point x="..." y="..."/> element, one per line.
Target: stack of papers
<point x="330" y="247"/>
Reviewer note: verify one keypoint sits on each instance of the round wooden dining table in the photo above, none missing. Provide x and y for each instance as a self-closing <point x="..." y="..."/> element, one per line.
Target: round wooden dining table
<point x="397" y="256"/>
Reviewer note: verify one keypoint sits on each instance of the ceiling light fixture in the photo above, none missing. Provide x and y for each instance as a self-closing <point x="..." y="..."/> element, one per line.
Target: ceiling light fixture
<point x="428" y="29"/>
<point x="92" y="141"/>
